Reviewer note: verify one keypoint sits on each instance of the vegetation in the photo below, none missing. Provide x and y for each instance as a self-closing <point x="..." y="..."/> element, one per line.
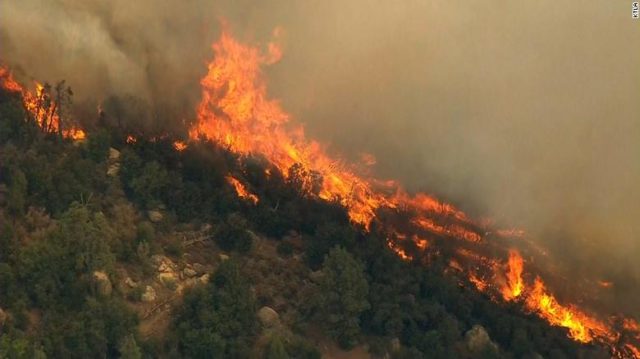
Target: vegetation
<point x="75" y="231"/>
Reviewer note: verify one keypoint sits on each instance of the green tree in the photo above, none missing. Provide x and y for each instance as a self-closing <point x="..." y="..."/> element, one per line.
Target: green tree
<point x="149" y="185"/>
<point x="53" y="268"/>
<point x="343" y="296"/>
<point x="17" y="192"/>
<point x="129" y="348"/>
<point x="97" y="146"/>
<point x="218" y="320"/>
<point x="276" y="349"/>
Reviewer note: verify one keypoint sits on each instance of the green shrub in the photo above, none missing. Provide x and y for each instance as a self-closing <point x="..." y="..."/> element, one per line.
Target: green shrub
<point x="285" y="249"/>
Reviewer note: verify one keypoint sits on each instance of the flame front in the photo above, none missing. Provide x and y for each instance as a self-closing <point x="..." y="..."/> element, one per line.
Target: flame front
<point x="236" y="113"/>
<point x="241" y="190"/>
<point x="43" y="109"/>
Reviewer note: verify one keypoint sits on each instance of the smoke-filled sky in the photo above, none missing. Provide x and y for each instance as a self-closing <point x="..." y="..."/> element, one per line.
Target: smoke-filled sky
<point x="523" y="111"/>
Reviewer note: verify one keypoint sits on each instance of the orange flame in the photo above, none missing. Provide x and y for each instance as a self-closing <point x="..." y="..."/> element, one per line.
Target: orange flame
<point x="236" y="112"/>
<point x="7" y="82"/>
<point x="179" y="146"/>
<point x="241" y="190"/>
<point x="581" y="327"/>
<point x="43" y="112"/>
<point x="514" y="285"/>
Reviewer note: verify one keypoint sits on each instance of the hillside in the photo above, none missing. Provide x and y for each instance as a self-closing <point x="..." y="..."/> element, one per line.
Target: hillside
<point x="121" y="246"/>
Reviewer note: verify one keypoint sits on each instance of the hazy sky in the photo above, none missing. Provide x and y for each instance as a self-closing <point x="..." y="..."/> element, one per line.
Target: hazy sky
<point x="527" y="111"/>
<point x="524" y="111"/>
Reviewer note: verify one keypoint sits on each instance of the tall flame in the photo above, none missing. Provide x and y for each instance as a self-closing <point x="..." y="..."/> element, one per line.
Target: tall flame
<point x="45" y="113"/>
<point x="236" y="112"/>
<point x="514" y="286"/>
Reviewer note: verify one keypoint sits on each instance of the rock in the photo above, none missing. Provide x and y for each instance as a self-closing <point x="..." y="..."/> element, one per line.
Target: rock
<point x="166" y="266"/>
<point x="254" y="237"/>
<point x="3" y="317"/>
<point x="114" y="154"/>
<point x="168" y="279"/>
<point x="395" y="344"/>
<point x="204" y="279"/>
<point x="477" y="339"/>
<point x="155" y="216"/>
<point x="113" y="169"/>
<point x="199" y="268"/>
<point x="157" y="259"/>
<point x="316" y="276"/>
<point x="149" y="294"/>
<point x="223" y="257"/>
<point x="189" y="272"/>
<point x="130" y="282"/>
<point x="102" y="283"/>
<point x="268" y="317"/>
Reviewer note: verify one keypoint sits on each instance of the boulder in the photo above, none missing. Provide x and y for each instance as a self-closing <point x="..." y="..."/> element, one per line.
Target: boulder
<point x="223" y="257"/>
<point x="149" y="294"/>
<point x="189" y="272"/>
<point x="168" y="279"/>
<point x="254" y="237"/>
<point x="102" y="283"/>
<point x="157" y="259"/>
<point x="114" y="154"/>
<point x="478" y="340"/>
<point x="3" y="317"/>
<point x="166" y="266"/>
<point x="316" y="276"/>
<point x="268" y="317"/>
<point x="113" y="169"/>
<point x="199" y="268"/>
<point x="395" y="344"/>
<point x="155" y="216"/>
<point x="204" y="279"/>
<point x="163" y="264"/>
<point x="130" y="282"/>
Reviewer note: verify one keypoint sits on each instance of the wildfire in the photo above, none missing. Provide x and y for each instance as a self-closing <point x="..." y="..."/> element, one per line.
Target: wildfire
<point x="241" y="190"/>
<point x="179" y="145"/>
<point x="7" y="82"/>
<point x="44" y="109"/>
<point x="581" y="327"/>
<point x="514" y="286"/>
<point x="236" y="112"/>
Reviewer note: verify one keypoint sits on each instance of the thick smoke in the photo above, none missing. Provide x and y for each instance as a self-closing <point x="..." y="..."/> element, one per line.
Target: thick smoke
<point x="526" y="112"/>
<point x="140" y="59"/>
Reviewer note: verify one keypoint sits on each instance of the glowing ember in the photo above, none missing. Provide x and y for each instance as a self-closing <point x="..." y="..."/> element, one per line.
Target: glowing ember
<point x="179" y="146"/>
<point x="241" y="190"/>
<point x="480" y="284"/>
<point x="75" y="134"/>
<point x="605" y="284"/>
